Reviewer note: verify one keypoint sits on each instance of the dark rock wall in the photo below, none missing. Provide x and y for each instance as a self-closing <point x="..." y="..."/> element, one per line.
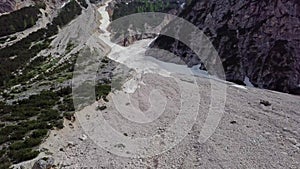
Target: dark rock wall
<point x="128" y="39"/>
<point x="258" y="39"/>
<point x="7" y="6"/>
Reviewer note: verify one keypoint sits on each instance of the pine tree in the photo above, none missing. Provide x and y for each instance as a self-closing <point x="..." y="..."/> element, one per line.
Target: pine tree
<point x="12" y="28"/>
<point x="25" y="23"/>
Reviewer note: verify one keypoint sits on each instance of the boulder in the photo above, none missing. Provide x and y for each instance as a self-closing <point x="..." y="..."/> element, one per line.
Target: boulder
<point x="44" y="163"/>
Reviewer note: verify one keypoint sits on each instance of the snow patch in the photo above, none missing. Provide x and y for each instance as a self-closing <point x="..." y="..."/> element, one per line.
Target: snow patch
<point x="247" y="82"/>
<point x="134" y="58"/>
<point x="239" y="86"/>
<point x="64" y="4"/>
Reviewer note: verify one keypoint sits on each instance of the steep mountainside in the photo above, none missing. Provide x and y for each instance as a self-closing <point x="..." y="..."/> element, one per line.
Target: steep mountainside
<point x="12" y="5"/>
<point x="258" y="128"/>
<point x="120" y="8"/>
<point x="6" y="6"/>
<point x="258" y="40"/>
<point x="35" y="78"/>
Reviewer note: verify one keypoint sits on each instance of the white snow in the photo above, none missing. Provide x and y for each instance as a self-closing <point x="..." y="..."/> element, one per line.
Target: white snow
<point x="134" y="57"/>
<point x="64" y="4"/>
<point x="247" y="82"/>
<point x="239" y="86"/>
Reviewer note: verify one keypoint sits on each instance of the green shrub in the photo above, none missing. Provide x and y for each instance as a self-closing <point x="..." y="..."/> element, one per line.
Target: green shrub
<point x="17" y="145"/>
<point x="4" y="163"/>
<point x="59" y="124"/>
<point x="35" y="124"/>
<point x="69" y="115"/>
<point x="7" y="130"/>
<point x="101" y="108"/>
<point x="41" y="5"/>
<point x="105" y="60"/>
<point x="102" y="90"/>
<point x="41" y="107"/>
<point x="18" y="134"/>
<point x="3" y="138"/>
<point x="139" y="6"/>
<point x="32" y="142"/>
<point x="25" y="51"/>
<point x="39" y="133"/>
<point x="83" y="3"/>
<point x="49" y="115"/>
<point x="22" y="155"/>
<point x="18" y="20"/>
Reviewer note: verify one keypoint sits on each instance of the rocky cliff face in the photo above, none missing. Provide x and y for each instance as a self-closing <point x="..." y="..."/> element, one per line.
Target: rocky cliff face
<point x="255" y="39"/>
<point x="7" y="6"/>
<point x="120" y="8"/>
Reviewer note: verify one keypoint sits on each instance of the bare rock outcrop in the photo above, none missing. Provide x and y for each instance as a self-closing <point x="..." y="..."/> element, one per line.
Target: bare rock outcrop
<point x="133" y="35"/>
<point x="7" y="6"/>
<point x="44" y="163"/>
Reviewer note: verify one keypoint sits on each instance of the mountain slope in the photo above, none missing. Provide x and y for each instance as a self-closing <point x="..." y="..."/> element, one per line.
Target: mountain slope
<point x="259" y="128"/>
<point x="258" y="40"/>
<point x="249" y="135"/>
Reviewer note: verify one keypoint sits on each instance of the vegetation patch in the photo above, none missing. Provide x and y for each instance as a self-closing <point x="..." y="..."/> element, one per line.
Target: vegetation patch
<point x="23" y="50"/>
<point x="101" y="108"/>
<point x="28" y="121"/>
<point x="19" y="20"/>
<point x="102" y="90"/>
<point x="25" y="122"/>
<point x="83" y="3"/>
<point x="138" y="6"/>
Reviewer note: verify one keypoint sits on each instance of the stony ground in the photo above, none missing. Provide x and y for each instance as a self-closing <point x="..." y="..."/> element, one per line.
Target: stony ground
<point x="249" y="135"/>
